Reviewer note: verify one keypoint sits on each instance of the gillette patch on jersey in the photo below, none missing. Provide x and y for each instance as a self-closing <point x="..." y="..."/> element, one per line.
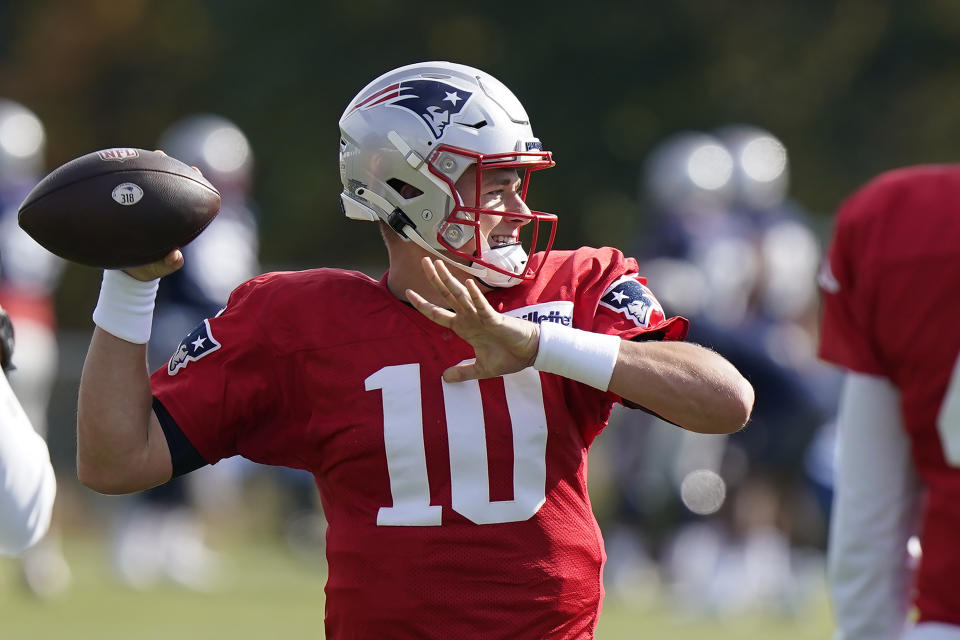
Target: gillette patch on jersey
<point x="629" y="297"/>
<point x="198" y="343"/>
<point x="559" y="311"/>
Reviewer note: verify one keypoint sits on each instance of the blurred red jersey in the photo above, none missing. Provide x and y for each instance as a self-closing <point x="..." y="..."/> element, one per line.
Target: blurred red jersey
<point x="892" y="309"/>
<point x="454" y="510"/>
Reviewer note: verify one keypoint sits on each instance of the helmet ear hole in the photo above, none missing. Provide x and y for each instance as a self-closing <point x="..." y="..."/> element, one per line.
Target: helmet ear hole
<point x="404" y="190"/>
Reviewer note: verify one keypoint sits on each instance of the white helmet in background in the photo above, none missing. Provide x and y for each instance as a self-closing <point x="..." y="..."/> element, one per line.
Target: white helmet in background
<point x="761" y="171"/>
<point x="24" y="264"/>
<point x="216" y="146"/>
<point x="687" y="171"/>
<point x="226" y="253"/>
<point x="22" y="143"/>
<point x="407" y="138"/>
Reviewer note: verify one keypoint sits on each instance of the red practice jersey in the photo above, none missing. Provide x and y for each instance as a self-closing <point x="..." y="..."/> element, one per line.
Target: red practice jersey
<point x="892" y="308"/>
<point x="455" y="510"/>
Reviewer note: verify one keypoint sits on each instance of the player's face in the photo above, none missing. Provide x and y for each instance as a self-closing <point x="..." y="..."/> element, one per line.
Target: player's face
<point x="500" y="190"/>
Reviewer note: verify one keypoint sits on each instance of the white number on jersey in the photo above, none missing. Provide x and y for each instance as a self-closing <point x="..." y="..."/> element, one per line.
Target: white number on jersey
<point x="466" y="434"/>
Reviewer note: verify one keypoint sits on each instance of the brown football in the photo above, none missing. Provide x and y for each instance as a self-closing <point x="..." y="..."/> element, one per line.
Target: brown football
<point x="119" y="208"/>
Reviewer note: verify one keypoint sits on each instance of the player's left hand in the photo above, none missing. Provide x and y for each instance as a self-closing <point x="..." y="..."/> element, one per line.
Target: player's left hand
<point x="502" y="344"/>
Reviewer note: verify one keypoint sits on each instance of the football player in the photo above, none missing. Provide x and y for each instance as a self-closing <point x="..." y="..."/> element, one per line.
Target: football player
<point x="29" y="276"/>
<point x="890" y="318"/>
<point x="26" y="476"/>
<point x="445" y="410"/>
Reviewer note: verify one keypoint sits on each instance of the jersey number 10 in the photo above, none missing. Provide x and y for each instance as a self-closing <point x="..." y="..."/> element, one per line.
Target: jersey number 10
<point x="469" y="472"/>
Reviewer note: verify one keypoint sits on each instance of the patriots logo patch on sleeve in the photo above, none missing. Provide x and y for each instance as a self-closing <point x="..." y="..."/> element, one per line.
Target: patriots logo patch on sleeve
<point x="198" y="343"/>
<point x="629" y="297"/>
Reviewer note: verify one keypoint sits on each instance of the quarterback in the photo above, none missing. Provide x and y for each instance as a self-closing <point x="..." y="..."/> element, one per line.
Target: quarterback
<point x="445" y="410"/>
<point x="890" y="317"/>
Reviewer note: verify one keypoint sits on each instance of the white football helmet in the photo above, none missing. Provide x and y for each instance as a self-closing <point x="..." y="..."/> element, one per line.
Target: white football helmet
<point x="216" y="146"/>
<point x="761" y="169"/>
<point x="424" y="125"/>
<point x="689" y="170"/>
<point x="22" y="142"/>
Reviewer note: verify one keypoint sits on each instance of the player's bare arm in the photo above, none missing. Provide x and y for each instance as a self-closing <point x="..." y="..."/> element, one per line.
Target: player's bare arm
<point x="684" y="383"/>
<point x="120" y="445"/>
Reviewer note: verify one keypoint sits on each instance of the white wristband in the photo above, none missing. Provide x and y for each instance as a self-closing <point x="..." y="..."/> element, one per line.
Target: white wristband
<point x="579" y="355"/>
<point x="125" y="307"/>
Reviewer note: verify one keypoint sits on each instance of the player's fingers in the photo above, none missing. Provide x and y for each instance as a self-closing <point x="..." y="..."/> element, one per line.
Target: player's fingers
<point x="430" y="270"/>
<point x="480" y="303"/>
<point x="165" y="266"/>
<point x="455" y="287"/>
<point x="174" y="259"/>
<point x="441" y="316"/>
<point x="462" y="372"/>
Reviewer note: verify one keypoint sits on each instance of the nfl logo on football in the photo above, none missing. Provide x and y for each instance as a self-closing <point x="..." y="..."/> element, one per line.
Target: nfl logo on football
<point x="118" y="155"/>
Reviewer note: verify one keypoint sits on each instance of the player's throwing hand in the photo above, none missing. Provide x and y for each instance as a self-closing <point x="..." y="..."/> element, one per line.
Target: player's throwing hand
<point x="503" y="344"/>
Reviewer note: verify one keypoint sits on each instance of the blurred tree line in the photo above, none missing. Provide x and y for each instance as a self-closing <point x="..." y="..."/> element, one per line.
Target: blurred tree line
<point x="852" y="87"/>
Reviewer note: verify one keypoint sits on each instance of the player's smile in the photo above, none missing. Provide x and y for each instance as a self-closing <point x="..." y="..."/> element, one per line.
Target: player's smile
<point x="505" y="230"/>
<point x="504" y="240"/>
<point x="499" y="191"/>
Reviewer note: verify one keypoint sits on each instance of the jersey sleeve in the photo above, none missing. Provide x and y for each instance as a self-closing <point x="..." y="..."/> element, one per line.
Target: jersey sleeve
<point x="613" y="298"/>
<point x="221" y="383"/>
<point x="845" y="336"/>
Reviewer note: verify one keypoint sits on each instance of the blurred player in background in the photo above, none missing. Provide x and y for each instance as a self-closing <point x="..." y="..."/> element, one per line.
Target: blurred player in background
<point x="730" y="251"/>
<point x="159" y="535"/>
<point x="685" y="185"/>
<point x="27" y="483"/>
<point x="29" y="275"/>
<point x="456" y="507"/>
<point x="776" y="504"/>
<point x="890" y="318"/>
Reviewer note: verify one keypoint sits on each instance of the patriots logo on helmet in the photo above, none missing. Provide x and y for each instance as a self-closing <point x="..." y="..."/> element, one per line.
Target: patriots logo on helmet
<point x="629" y="297"/>
<point x="198" y="343"/>
<point x="434" y="101"/>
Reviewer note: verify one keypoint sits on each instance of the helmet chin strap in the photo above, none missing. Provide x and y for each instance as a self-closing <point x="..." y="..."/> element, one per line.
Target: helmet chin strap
<point x="409" y="232"/>
<point x="476" y="271"/>
<point x="509" y="257"/>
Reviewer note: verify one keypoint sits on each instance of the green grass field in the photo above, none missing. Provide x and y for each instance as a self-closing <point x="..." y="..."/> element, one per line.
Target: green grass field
<point x="266" y="592"/>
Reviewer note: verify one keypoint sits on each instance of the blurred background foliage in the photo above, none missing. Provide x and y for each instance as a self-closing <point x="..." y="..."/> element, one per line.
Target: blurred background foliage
<point x="852" y="87"/>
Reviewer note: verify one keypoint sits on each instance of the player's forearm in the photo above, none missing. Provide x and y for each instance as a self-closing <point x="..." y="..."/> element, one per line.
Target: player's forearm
<point x="113" y="414"/>
<point x="684" y="383"/>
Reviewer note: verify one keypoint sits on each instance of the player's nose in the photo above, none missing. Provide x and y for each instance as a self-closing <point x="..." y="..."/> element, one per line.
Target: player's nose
<point x="517" y="205"/>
